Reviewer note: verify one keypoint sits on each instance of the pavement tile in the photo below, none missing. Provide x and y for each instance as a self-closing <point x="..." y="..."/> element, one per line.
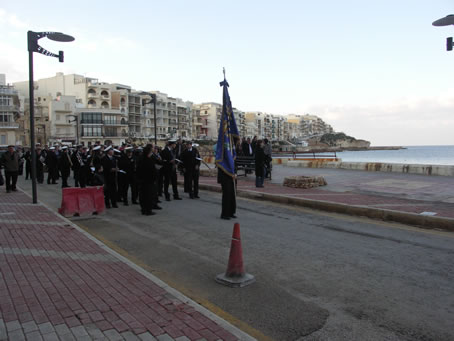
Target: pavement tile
<point x="173" y="332"/>
<point x="113" y="335"/>
<point x="34" y="336"/>
<point x="62" y="329"/>
<point x="79" y="331"/>
<point x="103" y="325"/>
<point x="120" y="326"/>
<point x="51" y="337"/>
<point x="208" y="334"/>
<point x="29" y="326"/>
<point x="129" y="336"/>
<point x="146" y="337"/>
<point x="191" y="333"/>
<point x="165" y="337"/>
<point x="182" y="338"/>
<point x="46" y="328"/>
<point x="12" y="326"/>
<point x="16" y="335"/>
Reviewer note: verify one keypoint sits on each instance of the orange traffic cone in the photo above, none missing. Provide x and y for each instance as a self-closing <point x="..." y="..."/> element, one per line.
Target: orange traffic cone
<point x="235" y="275"/>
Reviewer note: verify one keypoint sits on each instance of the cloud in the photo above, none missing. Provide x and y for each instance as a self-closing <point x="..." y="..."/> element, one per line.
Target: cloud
<point x="12" y="20"/>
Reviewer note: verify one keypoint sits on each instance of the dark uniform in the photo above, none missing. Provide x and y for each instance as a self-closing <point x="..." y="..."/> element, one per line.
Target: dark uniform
<point x="146" y="173"/>
<point x="127" y="177"/>
<point x="191" y="170"/>
<point x="228" y="195"/>
<point x="64" y="166"/>
<point x="170" y="172"/>
<point x="52" y="167"/>
<point x="109" y="165"/>
<point x="76" y="159"/>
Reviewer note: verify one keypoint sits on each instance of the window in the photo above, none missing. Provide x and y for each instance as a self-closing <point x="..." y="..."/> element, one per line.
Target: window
<point x="6" y="118"/>
<point x="110" y="131"/>
<point x="110" y="119"/>
<point x="5" y="100"/>
<point x="3" y="139"/>
<point x="58" y="117"/>
<point x="91" y="131"/>
<point x="91" y="118"/>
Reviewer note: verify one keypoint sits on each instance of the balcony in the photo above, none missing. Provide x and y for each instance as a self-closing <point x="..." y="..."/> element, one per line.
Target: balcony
<point x="91" y="122"/>
<point x="115" y="123"/>
<point x="9" y="108"/>
<point x="9" y="125"/>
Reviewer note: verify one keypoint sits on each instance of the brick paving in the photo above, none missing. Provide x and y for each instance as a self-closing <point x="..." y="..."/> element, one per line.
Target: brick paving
<point x="58" y="284"/>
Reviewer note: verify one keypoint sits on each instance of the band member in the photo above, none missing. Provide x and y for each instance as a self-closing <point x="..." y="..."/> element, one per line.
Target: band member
<point x="127" y="176"/>
<point x="170" y="170"/>
<point x="228" y="195"/>
<point x="76" y="159"/>
<point x="39" y="165"/>
<point x="157" y="184"/>
<point x="109" y="166"/>
<point x="147" y="176"/>
<point x="64" y="165"/>
<point x="52" y="166"/>
<point x="191" y="161"/>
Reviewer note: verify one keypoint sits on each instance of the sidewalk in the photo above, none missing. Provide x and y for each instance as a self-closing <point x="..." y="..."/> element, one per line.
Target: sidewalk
<point x="426" y="201"/>
<point x="59" y="283"/>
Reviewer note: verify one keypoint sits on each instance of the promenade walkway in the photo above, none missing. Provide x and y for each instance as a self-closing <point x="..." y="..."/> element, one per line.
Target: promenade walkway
<point x="427" y="201"/>
<point x="59" y="283"/>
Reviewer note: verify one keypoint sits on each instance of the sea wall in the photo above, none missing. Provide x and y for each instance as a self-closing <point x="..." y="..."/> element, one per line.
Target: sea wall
<point x="371" y="167"/>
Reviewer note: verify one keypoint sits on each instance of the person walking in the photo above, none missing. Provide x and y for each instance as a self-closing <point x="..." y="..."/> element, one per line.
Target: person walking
<point x="10" y="161"/>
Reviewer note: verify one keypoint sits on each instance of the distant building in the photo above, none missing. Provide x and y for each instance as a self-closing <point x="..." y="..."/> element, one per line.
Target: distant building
<point x="10" y="112"/>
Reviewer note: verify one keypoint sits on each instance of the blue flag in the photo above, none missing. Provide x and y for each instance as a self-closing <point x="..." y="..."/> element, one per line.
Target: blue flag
<point x="225" y="148"/>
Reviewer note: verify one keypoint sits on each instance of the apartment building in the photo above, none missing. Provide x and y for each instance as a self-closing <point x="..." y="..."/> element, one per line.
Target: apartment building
<point x="209" y="117"/>
<point x="184" y="119"/>
<point x="10" y="111"/>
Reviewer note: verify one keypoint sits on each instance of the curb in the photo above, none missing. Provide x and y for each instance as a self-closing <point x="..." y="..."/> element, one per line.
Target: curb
<point x="241" y="335"/>
<point x="427" y="222"/>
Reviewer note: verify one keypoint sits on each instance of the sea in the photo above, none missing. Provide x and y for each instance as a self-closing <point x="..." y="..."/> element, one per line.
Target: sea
<point x="422" y="155"/>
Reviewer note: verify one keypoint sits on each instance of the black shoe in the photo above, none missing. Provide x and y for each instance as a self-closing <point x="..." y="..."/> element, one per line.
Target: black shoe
<point x="191" y="196"/>
<point x="125" y="203"/>
<point x="177" y="198"/>
<point x="159" y="201"/>
<point x="115" y="206"/>
<point x="225" y="217"/>
<point x="233" y="216"/>
<point x="150" y="213"/>
<point x="135" y="203"/>
<point x="156" y="207"/>
<point x="196" y="196"/>
<point x="167" y="199"/>
<point x="108" y="206"/>
<point x="8" y="191"/>
<point x="14" y="189"/>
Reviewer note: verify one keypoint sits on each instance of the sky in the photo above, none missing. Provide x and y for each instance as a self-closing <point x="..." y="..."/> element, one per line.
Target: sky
<point x="375" y="70"/>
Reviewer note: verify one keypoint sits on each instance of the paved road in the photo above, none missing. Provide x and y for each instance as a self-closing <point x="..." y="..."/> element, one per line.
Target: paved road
<point x="319" y="276"/>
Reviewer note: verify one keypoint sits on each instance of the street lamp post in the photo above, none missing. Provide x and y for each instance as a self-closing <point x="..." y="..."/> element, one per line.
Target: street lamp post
<point x="446" y="21"/>
<point x="153" y="100"/>
<point x="76" y="119"/>
<point x="32" y="40"/>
